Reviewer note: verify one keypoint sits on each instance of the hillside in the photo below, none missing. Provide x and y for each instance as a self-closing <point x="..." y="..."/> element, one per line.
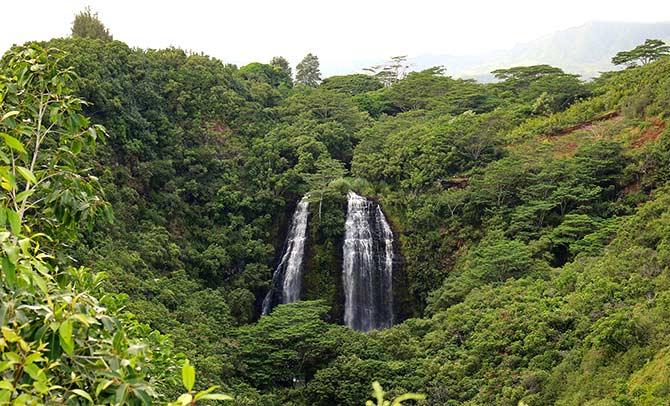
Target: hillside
<point x="585" y="50"/>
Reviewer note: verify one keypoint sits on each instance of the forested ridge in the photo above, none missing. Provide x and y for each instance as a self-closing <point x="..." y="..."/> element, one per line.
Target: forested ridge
<point x="146" y="195"/>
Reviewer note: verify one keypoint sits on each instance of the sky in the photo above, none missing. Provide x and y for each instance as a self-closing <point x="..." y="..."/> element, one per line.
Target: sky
<point x="346" y="34"/>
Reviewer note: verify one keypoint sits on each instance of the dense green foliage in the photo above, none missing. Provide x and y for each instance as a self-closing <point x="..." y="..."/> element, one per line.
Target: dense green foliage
<point x="531" y="215"/>
<point x="64" y="340"/>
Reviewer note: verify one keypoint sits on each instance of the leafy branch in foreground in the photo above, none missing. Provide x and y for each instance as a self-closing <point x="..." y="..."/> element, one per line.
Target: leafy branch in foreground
<point x="44" y="132"/>
<point x="63" y="340"/>
<point x="191" y="398"/>
<point x="378" y="393"/>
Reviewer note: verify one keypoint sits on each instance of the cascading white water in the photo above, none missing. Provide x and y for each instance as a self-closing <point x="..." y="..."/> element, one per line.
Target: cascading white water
<point x="368" y="266"/>
<point x="287" y="277"/>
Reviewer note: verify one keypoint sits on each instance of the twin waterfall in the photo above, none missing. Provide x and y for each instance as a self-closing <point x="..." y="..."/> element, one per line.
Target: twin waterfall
<point x="368" y="266"/>
<point x="287" y="277"/>
<point x="367" y="273"/>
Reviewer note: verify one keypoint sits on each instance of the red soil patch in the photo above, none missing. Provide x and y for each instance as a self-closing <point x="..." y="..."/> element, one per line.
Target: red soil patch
<point x="584" y="124"/>
<point x="563" y="147"/>
<point x="651" y="134"/>
<point x="566" y="149"/>
<point x="457" y="183"/>
<point x="632" y="188"/>
<point x="220" y="127"/>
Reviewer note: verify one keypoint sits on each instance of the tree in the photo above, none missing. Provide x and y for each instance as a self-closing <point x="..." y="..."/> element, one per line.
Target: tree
<point x="352" y="84"/>
<point x="291" y="343"/>
<point x="419" y="89"/>
<point x="548" y="89"/>
<point x="523" y="75"/>
<point x="651" y="50"/>
<point x="282" y="63"/>
<point x="86" y="24"/>
<point x="273" y="75"/>
<point x="391" y="71"/>
<point x="327" y="170"/>
<point x="497" y="258"/>
<point x="308" y="71"/>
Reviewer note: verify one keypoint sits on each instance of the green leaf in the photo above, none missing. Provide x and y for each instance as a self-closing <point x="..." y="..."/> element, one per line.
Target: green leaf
<point x="65" y="334"/>
<point x="188" y="376"/>
<point x="102" y="386"/>
<point x="13" y="143"/>
<point x="35" y="372"/>
<point x="84" y="319"/>
<point x="407" y="396"/>
<point x="12" y="252"/>
<point x="6" y="385"/>
<point x="41" y="386"/>
<point x="9" y="114"/>
<point x="40" y="282"/>
<point x="205" y="392"/>
<point x="27" y="174"/>
<point x="13" y="357"/>
<point x="76" y="146"/>
<point x="143" y="396"/>
<point x="5" y="365"/>
<point x="185" y="399"/>
<point x="378" y="392"/>
<point x="9" y="269"/>
<point x="4" y="158"/>
<point x="34" y="357"/>
<point x="4" y="309"/>
<point x="14" y="222"/>
<point x="216" y="396"/>
<point x="7" y="180"/>
<point x="83" y="394"/>
<point x="10" y="335"/>
<point x="53" y="114"/>
<point x="121" y="393"/>
<point x="24" y="243"/>
<point x="24" y="195"/>
<point x="118" y="340"/>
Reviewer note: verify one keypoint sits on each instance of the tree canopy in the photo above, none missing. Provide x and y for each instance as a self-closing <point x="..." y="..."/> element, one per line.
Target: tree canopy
<point x="651" y="50"/>
<point x="307" y="71"/>
<point x="86" y="24"/>
<point x="283" y="64"/>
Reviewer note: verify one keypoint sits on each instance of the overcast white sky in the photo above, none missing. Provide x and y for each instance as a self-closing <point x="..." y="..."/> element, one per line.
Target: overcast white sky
<point x="345" y="34"/>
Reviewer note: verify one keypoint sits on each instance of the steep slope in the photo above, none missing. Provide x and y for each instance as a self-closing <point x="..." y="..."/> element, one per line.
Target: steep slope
<point x="556" y="292"/>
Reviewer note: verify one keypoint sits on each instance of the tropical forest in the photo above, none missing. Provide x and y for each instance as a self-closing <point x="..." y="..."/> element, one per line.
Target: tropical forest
<point x="181" y="230"/>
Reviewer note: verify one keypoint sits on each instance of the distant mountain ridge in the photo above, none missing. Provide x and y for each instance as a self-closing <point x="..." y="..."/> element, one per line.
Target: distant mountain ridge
<point x="585" y="50"/>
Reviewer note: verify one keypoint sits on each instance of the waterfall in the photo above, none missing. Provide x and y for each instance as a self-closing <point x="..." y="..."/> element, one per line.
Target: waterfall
<point x="368" y="266"/>
<point x="287" y="277"/>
